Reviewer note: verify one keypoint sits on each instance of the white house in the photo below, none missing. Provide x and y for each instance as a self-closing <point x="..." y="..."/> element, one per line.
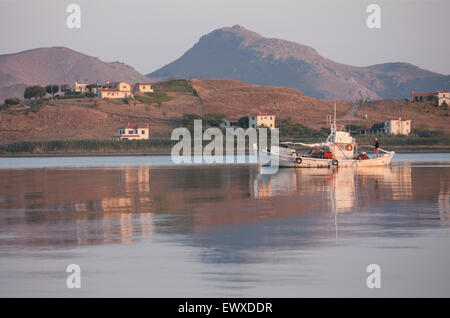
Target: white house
<point x="260" y="120"/>
<point x="143" y="88"/>
<point x="133" y="132"/>
<point x="397" y="127"/>
<point x="443" y="97"/>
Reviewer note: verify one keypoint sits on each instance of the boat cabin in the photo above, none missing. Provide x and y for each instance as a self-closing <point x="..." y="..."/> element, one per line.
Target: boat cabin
<point x="341" y="144"/>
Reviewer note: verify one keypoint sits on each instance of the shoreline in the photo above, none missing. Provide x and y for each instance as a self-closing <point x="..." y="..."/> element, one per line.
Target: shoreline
<point x="167" y="152"/>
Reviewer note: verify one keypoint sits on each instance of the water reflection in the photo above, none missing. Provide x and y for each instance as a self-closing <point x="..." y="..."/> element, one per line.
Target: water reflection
<point x="342" y="188"/>
<point x="59" y="207"/>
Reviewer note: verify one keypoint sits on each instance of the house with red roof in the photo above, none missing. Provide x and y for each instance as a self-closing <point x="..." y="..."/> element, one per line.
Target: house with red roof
<point x="422" y="97"/>
<point x="439" y="97"/>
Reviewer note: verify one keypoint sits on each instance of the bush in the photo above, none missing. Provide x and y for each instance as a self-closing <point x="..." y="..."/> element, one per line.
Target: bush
<point x="291" y="131"/>
<point x="188" y="120"/>
<point x="34" y="91"/>
<point x="377" y="126"/>
<point x="12" y="101"/>
<point x="36" y="106"/>
<point x="90" y="145"/>
<point x="428" y="133"/>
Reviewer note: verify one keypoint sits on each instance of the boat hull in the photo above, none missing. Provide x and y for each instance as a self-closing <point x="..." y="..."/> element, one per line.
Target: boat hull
<point x="286" y="161"/>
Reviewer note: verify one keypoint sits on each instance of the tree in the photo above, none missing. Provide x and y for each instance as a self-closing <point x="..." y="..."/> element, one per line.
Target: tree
<point x="214" y="120"/>
<point x="377" y="126"/>
<point x="65" y="88"/>
<point x="243" y="122"/>
<point x="34" y="91"/>
<point x="12" y="101"/>
<point x="52" y="89"/>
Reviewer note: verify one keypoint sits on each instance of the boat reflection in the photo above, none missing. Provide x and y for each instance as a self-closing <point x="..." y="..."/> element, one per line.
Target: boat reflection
<point x="343" y="188"/>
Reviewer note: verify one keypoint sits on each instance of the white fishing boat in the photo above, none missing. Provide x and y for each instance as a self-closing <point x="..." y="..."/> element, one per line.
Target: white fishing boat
<point x="339" y="150"/>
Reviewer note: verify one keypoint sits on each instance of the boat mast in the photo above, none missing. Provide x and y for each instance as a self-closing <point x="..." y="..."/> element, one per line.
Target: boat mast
<point x="335" y="116"/>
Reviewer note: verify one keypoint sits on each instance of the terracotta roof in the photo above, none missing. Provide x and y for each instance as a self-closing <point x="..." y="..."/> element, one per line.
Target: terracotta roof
<point x="114" y="83"/>
<point x="109" y="90"/>
<point x="134" y="126"/>
<point x="444" y="91"/>
<point x="233" y="118"/>
<point x="264" y="114"/>
<point x="127" y="136"/>
<point x="422" y="94"/>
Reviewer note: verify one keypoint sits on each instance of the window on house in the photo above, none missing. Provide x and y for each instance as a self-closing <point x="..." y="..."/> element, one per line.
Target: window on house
<point x="253" y="125"/>
<point x="143" y="132"/>
<point x="130" y="132"/>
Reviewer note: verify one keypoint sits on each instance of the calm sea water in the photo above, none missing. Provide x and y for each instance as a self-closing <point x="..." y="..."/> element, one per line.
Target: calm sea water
<point x="139" y="226"/>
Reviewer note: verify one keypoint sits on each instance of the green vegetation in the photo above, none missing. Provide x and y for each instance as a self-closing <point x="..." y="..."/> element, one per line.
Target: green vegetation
<point x="156" y="97"/>
<point x="52" y="89"/>
<point x="290" y="131"/>
<point x="34" y="91"/>
<point x="36" y="106"/>
<point x="243" y="122"/>
<point x="65" y="88"/>
<point x="180" y="85"/>
<point x="413" y="140"/>
<point x="209" y="120"/>
<point x="187" y="120"/>
<point x="12" y="101"/>
<point x="92" y="145"/>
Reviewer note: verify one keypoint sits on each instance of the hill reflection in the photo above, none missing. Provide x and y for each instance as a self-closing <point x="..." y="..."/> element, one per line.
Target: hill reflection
<point x="59" y="207"/>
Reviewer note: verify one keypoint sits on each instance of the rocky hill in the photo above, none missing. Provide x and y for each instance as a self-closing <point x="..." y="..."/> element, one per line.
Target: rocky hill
<point x="57" y="65"/>
<point x="93" y="118"/>
<point x="240" y="54"/>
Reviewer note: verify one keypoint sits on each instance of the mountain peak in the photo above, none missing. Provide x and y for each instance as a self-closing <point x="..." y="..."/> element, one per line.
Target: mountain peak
<point x="241" y="54"/>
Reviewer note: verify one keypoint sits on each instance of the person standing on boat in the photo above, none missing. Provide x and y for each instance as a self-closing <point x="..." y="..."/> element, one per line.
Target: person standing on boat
<point x="377" y="147"/>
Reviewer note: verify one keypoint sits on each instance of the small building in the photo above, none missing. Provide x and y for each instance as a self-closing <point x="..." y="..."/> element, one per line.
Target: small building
<point x="80" y="87"/>
<point x="443" y="98"/>
<point x="261" y="120"/>
<point x="113" y="93"/>
<point x="397" y="127"/>
<point x="120" y="86"/>
<point x="231" y="122"/>
<point x="133" y="132"/>
<point x="422" y="97"/>
<point x="143" y="88"/>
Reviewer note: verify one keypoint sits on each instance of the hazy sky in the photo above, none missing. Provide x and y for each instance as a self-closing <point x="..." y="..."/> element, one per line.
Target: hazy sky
<point x="149" y="34"/>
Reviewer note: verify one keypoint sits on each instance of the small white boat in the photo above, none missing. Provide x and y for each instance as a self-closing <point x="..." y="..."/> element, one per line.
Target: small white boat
<point x="339" y="150"/>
